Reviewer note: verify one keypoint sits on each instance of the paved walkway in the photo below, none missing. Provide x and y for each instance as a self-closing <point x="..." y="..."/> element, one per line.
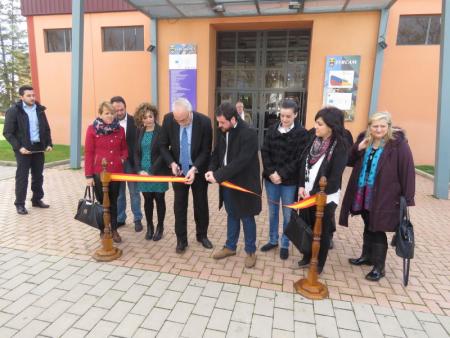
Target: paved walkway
<point x="55" y="235"/>
<point x="7" y="172"/>
<point x="51" y="296"/>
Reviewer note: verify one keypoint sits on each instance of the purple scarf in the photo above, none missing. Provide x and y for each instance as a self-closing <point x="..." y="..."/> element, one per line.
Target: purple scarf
<point x="318" y="149"/>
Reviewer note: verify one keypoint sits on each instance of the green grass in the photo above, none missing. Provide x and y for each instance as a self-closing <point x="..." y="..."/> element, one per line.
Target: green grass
<point x="60" y="152"/>
<point x="429" y="169"/>
<point x="1" y="132"/>
<point x="6" y="153"/>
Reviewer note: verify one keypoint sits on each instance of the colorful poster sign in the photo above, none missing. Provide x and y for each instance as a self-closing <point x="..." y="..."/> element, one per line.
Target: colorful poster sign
<point x="183" y="73"/>
<point x="341" y="83"/>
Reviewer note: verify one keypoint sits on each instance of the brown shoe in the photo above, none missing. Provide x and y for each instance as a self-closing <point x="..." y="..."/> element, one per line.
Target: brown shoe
<point x="250" y="260"/>
<point x="223" y="253"/>
<point x="116" y="237"/>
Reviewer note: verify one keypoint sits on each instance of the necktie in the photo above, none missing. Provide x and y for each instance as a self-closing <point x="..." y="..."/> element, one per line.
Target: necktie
<point x="184" y="158"/>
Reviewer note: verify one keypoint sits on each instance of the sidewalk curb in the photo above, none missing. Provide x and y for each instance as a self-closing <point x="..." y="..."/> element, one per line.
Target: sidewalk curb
<point x="46" y="165"/>
<point x="424" y="174"/>
<point x="8" y="163"/>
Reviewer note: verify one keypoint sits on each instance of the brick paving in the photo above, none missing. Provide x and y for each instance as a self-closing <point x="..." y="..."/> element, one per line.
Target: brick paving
<point x="7" y="172"/>
<point x="54" y="232"/>
<point x="52" y="296"/>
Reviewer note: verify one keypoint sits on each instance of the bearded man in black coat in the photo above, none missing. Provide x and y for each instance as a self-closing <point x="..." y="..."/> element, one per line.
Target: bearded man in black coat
<point x="235" y="159"/>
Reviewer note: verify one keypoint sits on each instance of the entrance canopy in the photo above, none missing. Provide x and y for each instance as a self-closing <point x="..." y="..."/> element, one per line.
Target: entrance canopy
<point x="166" y="9"/>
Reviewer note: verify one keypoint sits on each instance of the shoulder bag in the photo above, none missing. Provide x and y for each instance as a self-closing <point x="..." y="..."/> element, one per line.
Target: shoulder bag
<point x="299" y="231"/>
<point x="89" y="211"/>
<point x="404" y="239"/>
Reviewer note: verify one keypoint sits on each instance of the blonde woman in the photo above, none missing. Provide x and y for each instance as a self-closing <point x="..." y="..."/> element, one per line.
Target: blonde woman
<point x="105" y="139"/>
<point x="383" y="170"/>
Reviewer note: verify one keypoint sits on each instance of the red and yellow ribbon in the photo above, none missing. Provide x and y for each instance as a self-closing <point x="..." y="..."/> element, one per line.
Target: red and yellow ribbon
<point x="303" y="204"/>
<point x="147" y="178"/>
<point x="230" y="185"/>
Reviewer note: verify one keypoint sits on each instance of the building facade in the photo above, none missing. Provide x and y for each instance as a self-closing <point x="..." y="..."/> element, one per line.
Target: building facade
<point x="257" y="59"/>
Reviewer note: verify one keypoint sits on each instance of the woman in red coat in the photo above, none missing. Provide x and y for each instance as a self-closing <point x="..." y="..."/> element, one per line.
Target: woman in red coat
<point x="105" y="139"/>
<point x="383" y="170"/>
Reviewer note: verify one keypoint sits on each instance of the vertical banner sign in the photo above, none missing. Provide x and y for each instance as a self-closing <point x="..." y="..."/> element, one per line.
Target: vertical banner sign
<point x="183" y="73"/>
<point x="341" y="83"/>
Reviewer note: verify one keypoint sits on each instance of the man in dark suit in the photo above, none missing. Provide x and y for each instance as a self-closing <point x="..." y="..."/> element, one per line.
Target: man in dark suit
<point x="185" y="145"/>
<point x="235" y="159"/>
<point x="27" y="130"/>
<point x="245" y="116"/>
<point x="128" y="124"/>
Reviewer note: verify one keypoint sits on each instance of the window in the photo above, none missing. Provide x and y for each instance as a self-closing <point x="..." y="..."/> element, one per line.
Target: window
<point x="419" y="30"/>
<point x="123" y="38"/>
<point x="58" y="40"/>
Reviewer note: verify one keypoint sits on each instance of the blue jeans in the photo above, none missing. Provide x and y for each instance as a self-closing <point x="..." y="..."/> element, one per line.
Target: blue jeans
<point x="233" y="227"/>
<point x="275" y="193"/>
<point x="135" y="198"/>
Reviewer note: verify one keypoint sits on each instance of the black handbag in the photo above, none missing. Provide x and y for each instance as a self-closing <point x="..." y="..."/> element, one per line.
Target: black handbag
<point x="299" y="231"/>
<point x="89" y="211"/>
<point x="404" y="239"/>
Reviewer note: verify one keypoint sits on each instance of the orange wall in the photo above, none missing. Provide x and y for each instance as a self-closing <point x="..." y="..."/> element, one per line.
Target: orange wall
<point x="128" y="73"/>
<point x="349" y="34"/>
<point x="410" y="79"/>
<point x="409" y="83"/>
<point x="105" y="74"/>
<point x="338" y="33"/>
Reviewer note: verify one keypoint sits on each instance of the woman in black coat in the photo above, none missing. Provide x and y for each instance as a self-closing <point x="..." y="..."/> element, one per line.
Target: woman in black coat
<point x="326" y="156"/>
<point x="383" y="171"/>
<point x="148" y="161"/>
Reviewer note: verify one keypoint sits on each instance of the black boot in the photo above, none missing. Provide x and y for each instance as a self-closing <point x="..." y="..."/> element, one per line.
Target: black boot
<point x="159" y="233"/>
<point x="150" y="231"/>
<point x="366" y="252"/>
<point x="379" y="251"/>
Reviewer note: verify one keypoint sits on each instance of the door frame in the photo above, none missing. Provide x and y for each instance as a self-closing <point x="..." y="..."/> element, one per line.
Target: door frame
<point x="258" y="92"/>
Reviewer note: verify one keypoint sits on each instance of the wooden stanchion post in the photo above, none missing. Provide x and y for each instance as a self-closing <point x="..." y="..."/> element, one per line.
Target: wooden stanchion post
<point x="107" y="252"/>
<point x="310" y="287"/>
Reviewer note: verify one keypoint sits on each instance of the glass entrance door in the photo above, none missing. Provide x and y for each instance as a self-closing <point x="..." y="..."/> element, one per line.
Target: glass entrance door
<point x="261" y="69"/>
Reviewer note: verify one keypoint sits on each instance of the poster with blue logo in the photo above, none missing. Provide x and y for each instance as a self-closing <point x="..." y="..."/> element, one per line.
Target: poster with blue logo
<point x="183" y="73"/>
<point x="341" y="83"/>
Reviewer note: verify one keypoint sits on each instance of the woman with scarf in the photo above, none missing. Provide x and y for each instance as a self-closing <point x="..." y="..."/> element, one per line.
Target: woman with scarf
<point x="105" y="139"/>
<point x="148" y="161"/>
<point x="383" y="170"/>
<point x="325" y="156"/>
